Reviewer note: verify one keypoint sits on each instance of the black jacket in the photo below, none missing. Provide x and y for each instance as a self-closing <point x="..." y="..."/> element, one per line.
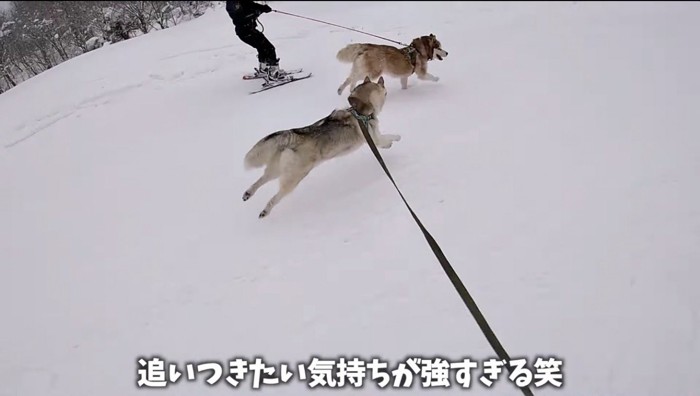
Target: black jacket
<point x="244" y="12"/>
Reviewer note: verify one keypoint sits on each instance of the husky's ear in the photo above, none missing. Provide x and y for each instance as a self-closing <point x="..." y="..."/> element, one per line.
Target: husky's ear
<point x="366" y="80"/>
<point x="381" y="81"/>
<point x="432" y="35"/>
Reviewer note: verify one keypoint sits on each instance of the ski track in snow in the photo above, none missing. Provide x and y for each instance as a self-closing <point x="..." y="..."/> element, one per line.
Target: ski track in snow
<point x="555" y="162"/>
<point x="105" y="97"/>
<point x="45" y="122"/>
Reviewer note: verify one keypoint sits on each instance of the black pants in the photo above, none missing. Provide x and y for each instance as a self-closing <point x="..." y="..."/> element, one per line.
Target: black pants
<point x="253" y="37"/>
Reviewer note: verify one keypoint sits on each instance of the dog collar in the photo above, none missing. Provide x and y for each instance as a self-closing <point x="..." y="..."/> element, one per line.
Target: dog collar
<point x="361" y="117"/>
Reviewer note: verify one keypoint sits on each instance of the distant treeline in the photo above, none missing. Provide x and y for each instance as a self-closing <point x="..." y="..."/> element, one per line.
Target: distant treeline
<point x="38" y="35"/>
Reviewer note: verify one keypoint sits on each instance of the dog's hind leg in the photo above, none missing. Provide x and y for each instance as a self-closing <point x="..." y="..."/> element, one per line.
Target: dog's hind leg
<point x="355" y="75"/>
<point x="404" y="82"/>
<point x="352" y="81"/>
<point x="343" y="85"/>
<point x="294" y="171"/>
<point x="271" y="173"/>
<point x="353" y="84"/>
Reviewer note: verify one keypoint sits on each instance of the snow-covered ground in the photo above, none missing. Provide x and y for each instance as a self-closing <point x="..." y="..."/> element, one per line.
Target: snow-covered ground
<point x="556" y="161"/>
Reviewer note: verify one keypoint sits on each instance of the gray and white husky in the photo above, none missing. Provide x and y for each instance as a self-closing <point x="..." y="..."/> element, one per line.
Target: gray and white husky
<point x="291" y="154"/>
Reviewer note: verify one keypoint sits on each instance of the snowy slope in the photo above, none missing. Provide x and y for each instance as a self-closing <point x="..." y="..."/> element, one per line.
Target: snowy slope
<point x="556" y="162"/>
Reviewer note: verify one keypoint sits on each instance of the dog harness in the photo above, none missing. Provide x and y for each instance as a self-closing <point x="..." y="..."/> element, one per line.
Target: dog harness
<point x="411" y="55"/>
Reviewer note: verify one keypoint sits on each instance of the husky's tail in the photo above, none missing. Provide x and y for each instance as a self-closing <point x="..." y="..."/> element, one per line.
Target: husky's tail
<point x="349" y="53"/>
<point x="263" y="151"/>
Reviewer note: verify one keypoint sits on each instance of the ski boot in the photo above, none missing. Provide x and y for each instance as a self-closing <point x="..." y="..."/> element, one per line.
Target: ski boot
<point x="275" y="75"/>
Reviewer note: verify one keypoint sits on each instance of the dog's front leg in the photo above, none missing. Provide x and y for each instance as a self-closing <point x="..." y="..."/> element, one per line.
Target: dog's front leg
<point x="387" y="140"/>
<point x="383" y="141"/>
<point x="429" y="77"/>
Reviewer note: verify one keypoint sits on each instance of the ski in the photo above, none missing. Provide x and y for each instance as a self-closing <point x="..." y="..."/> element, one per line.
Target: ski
<point x="258" y="75"/>
<point x="275" y="84"/>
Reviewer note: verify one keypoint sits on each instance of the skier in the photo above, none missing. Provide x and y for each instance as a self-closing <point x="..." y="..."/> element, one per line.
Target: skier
<point x="244" y="15"/>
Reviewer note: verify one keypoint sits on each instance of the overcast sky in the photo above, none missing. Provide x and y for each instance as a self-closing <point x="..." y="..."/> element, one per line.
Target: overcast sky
<point x="4" y="5"/>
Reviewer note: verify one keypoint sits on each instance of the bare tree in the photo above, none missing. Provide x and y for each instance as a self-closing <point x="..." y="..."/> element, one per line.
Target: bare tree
<point x="139" y="12"/>
<point x="6" y="80"/>
<point x="162" y="13"/>
<point x="82" y="20"/>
